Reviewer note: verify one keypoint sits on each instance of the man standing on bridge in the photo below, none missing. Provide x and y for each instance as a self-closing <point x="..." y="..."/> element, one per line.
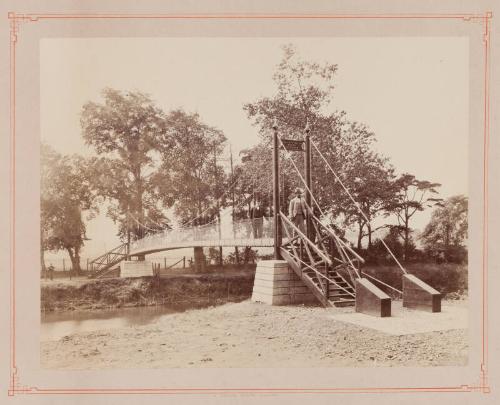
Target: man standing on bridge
<point x="297" y="210"/>
<point x="257" y="216"/>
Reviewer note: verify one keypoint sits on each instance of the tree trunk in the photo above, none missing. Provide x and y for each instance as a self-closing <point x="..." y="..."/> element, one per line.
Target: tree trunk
<point x="75" y="259"/>
<point x="76" y="264"/>
<point x="406" y="242"/>
<point x="42" y="260"/>
<point x="360" y="233"/>
<point x="369" y="231"/>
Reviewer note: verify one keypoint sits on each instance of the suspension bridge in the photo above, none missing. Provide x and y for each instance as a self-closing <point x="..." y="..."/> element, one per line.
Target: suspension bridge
<point x="325" y="263"/>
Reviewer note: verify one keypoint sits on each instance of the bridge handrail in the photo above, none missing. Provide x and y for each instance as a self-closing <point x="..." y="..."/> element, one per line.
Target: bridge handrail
<point x="242" y="229"/>
<point x="305" y="238"/>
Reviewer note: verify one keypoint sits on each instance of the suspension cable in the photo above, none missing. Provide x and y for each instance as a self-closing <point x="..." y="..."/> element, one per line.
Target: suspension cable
<point x="381" y="282"/>
<point x="210" y="207"/>
<point x="317" y="204"/>
<point x="142" y="225"/>
<point x="357" y="205"/>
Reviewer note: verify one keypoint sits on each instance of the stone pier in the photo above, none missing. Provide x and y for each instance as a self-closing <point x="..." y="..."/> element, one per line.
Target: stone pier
<point x="136" y="268"/>
<point x="277" y="284"/>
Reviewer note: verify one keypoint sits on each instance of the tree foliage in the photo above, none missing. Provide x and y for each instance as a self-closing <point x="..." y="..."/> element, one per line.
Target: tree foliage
<point x="66" y="194"/>
<point x="305" y="91"/>
<point x="127" y="131"/>
<point x="196" y="177"/>
<point x="446" y="232"/>
<point x="411" y="196"/>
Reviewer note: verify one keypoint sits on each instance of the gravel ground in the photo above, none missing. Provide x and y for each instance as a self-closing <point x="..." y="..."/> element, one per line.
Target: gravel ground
<point x="249" y="334"/>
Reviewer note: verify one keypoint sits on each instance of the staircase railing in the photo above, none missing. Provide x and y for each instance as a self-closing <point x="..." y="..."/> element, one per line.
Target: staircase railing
<point x="108" y="259"/>
<point x="318" y="224"/>
<point x="347" y="257"/>
<point x="297" y="249"/>
<point x="308" y="243"/>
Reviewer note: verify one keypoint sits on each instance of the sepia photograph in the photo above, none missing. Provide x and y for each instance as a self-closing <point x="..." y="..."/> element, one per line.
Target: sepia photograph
<point x="254" y="202"/>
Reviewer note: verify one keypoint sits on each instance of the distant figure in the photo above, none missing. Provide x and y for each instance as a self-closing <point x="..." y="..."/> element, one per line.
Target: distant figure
<point x="257" y="215"/>
<point x="268" y="215"/>
<point x="297" y="210"/>
<point x="51" y="271"/>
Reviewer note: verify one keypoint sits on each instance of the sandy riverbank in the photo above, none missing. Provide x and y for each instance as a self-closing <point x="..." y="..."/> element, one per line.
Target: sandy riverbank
<point x="248" y="334"/>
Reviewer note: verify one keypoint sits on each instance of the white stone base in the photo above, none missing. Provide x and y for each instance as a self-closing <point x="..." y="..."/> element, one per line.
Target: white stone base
<point x="276" y="284"/>
<point x="136" y="268"/>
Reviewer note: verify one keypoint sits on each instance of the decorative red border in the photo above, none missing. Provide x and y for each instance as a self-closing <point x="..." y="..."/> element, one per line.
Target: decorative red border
<point x="15" y="386"/>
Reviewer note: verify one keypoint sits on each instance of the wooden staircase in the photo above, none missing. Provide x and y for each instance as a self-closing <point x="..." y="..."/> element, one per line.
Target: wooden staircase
<point x="319" y="265"/>
<point x="103" y="265"/>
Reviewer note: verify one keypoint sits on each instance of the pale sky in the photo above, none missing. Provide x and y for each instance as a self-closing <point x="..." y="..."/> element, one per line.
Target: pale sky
<point x="412" y="92"/>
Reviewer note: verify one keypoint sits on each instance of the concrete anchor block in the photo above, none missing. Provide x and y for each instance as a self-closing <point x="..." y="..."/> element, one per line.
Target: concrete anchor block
<point x="371" y="300"/>
<point x="420" y="295"/>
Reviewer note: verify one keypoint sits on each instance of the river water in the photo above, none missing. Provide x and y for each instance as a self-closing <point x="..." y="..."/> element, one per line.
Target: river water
<point x="55" y="325"/>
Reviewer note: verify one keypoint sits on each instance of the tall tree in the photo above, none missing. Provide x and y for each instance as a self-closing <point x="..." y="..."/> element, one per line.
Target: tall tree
<point x="255" y="175"/>
<point x="66" y="194"/>
<point x="370" y="184"/>
<point x="447" y="228"/>
<point x="127" y="131"/>
<point x="411" y="196"/>
<point x="192" y="165"/>
<point x="305" y="91"/>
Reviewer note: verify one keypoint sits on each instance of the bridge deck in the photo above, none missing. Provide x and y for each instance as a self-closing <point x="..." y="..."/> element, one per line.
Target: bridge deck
<point x="161" y="245"/>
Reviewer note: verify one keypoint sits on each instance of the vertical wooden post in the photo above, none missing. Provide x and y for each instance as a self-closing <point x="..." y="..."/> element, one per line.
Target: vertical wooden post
<point x="276" y="193"/>
<point x="307" y="165"/>
<point x="184" y="262"/>
<point x="164" y="262"/>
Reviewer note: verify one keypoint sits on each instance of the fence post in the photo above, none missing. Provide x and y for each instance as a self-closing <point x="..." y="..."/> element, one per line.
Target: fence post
<point x="184" y="262"/>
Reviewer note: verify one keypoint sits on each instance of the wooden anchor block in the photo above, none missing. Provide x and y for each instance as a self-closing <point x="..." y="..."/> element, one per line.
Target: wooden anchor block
<point x="419" y="295"/>
<point x="371" y="300"/>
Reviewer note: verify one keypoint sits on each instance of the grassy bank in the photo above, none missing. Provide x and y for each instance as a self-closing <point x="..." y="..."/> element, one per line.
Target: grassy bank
<point x="217" y="286"/>
<point x="130" y="292"/>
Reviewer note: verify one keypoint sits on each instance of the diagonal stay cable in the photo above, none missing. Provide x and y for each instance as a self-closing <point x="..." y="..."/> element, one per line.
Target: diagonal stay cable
<point x="357" y="205"/>
<point x="316" y="202"/>
<point x="381" y="282"/>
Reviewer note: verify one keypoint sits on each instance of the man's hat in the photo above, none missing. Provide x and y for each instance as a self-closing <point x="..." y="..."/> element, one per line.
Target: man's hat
<point x="299" y="190"/>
